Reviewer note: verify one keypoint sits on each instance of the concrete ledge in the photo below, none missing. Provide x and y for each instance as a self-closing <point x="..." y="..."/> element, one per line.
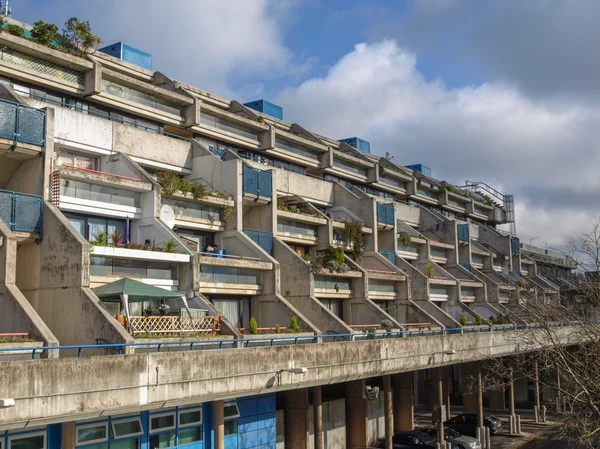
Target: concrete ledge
<point x="136" y="382"/>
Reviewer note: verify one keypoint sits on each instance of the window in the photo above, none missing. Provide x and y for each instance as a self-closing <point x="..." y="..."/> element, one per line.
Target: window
<point x="91" y="433"/>
<point x="162" y="422"/>
<point x="28" y="441"/>
<point x="190" y="426"/>
<point x="189" y="418"/>
<point x="296" y="149"/>
<point x="127" y="428"/>
<point x="76" y="160"/>
<point x="89" y="226"/>
<point x="231" y="427"/>
<point x="95" y="192"/>
<point x="348" y="167"/>
<point x="231" y="410"/>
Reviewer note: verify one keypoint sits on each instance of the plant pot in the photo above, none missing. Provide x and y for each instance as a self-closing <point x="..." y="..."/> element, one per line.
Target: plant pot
<point x="163" y="311"/>
<point x="148" y="312"/>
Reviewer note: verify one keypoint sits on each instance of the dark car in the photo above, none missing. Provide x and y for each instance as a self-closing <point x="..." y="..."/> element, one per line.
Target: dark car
<point x="461" y="441"/>
<point x="466" y="424"/>
<point x="412" y="439"/>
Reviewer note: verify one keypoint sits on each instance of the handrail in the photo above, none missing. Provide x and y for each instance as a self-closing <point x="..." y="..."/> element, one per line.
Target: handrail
<point x="17" y="135"/>
<point x="108" y="117"/>
<point x="101" y="172"/>
<point x="228" y="256"/>
<point x="245" y="342"/>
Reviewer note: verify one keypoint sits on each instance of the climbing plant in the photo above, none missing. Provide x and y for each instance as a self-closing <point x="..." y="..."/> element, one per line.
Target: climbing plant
<point x="354" y="235"/>
<point x="404" y="238"/>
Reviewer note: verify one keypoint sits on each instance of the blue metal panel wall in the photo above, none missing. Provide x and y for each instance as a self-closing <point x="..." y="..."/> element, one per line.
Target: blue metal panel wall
<point x="113" y="50"/>
<point x="136" y="56"/>
<point x="257" y="182"/>
<point x="389" y="255"/>
<point x="266" y="107"/>
<point x="262" y="238"/>
<point x="22" y="123"/>
<point x="385" y="213"/>
<point x="257" y="423"/>
<point x="516" y="245"/>
<point x="358" y="143"/>
<point x="420" y="167"/>
<point x="463" y="233"/>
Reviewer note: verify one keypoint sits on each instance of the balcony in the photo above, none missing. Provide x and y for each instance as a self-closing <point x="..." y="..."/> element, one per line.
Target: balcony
<point x="385" y="214"/>
<point x="171" y="326"/>
<point x="22" y="128"/>
<point x="334" y="286"/>
<point x="257" y="184"/>
<point x="209" y="213"/>
<point x="22" y="213"/>
<point x="223" y="277"/>
<point x="383" y="286"/>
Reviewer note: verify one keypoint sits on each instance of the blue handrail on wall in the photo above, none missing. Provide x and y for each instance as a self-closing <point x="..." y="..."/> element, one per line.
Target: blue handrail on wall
<point x="292" y="340"/>
<point x="21" y="211"/>
<point x="22" y="123"/>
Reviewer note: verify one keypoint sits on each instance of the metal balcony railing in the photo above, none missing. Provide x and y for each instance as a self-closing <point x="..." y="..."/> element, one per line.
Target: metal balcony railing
<point x="389" y="255"/>
<point x="22" y="123"/>
<point x="385" y="213"/>
<point x="21" y="212"/>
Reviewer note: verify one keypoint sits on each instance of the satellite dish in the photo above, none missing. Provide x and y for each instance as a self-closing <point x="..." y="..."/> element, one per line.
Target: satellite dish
<point x="388" y="156"/>
<point x="167" y="215"/>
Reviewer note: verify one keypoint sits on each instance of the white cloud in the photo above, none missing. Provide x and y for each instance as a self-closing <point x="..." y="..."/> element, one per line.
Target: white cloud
<point x="201" y="42"/>
<point x="489" y="132"/>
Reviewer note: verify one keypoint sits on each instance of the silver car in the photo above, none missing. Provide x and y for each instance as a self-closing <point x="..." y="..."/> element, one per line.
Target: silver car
<point x="458" y="440"/>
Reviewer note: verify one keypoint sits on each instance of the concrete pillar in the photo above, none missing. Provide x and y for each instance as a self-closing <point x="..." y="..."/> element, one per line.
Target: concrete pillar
<point x="479" y="397"/>
<point x="448" y="391"/>
<point x="473" y="390"/>
<point x="536" y="385"/>
<point x="68" y="435"/>
<point x="388" y="407"/>
<point x="511" y="391"/>
<point x="356" y="416"/>
<point x="318" y="416"/>
<point x="438" y="384"/>
<point x="296" y="419"/>
<point x="218" y="424"/>
<point x="404" y="410"/>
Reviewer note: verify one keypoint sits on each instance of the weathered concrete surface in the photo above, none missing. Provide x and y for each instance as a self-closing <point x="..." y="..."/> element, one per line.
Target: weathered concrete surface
<point x="86" y="387"/>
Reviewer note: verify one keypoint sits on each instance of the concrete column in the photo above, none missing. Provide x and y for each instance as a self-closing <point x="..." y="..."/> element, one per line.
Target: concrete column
<point x="479" y="398"/>
<point x="296" y="419"/>
<point x="511" y="391"/>
<point x="68" y="435"/>
<point x="218" y="424"/>
<point x="448" y="391"/>
<point x="536" y="385"/>
<point x="473" y="390"/>
<point x="404" y="410"/>
<point x="317" y="394"/>
<point x="438" y="384"/>
<point x="356" y="416"/>
<point x="388" y="407"/>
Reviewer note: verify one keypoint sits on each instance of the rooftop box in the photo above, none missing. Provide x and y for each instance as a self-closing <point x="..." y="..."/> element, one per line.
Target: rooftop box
<point x="266" y="108"/>
<point x="130" y="54"/>
<point x="358" y="143"/>
<point x="420" y="167"/>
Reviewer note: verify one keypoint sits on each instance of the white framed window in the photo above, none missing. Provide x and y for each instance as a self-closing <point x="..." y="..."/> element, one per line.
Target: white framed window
<point x="162" y="421"/>
<point x="190" y="417"/>
<point x="127" y="427"/>
<point x="35" y="440"/>
<point x="231" y="410"/>
<point x="91" y="433"/>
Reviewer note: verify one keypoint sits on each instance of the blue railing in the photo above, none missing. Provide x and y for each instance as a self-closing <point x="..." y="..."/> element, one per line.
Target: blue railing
<point x="108" y="117"/>
<point x="257" y="182"/>
<point x="21" y="211"/>
<point x="22" y="123"/>
<point x="219" y="152"/>
<point x="385" y="213"/>
<point x="262" y="238"/>
<point x="389" y="255"/>
<point x="463" y="233"/>
<point x="291" y="340"/>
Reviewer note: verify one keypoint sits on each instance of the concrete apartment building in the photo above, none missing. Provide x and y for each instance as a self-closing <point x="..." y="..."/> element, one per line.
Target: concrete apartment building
<point x="115" y="179"/>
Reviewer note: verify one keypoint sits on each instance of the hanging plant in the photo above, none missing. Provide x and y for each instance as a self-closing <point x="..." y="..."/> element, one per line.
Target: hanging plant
<point x="169" y="182"/>
<point x="429" y="270"/>
<point x="354" y="235"/>
<point x="404" y="239"/>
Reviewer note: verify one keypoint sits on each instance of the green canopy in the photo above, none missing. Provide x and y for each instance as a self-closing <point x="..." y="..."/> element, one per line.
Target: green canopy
<point x="136" y="291"/>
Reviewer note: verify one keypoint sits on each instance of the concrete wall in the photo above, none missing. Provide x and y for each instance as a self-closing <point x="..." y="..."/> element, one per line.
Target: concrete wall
<point x="312" y="189"/>
<point x="298" y="290"/>
<point x="334" y="424"/>
<point x="409" y="214"/>
<point x="375" y="420"/>
<point x="54" y="276"/>
<point x="17" y="314"/>
<point x="162" y="379"/>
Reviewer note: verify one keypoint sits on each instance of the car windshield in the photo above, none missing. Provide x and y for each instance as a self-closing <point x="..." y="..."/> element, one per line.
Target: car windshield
<point x="451" y="433"/>
<point x="426" y="439"/>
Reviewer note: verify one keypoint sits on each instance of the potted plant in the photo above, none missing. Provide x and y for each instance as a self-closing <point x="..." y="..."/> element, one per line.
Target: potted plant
<point x="149" y="311"/>
<point x="163" y="309"/>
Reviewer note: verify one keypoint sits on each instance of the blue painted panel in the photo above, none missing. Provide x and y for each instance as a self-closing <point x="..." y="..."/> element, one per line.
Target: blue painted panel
<point x="247" y="424"/>
<point x="516" y="245"/>
<point x="358" y="143"/>
<point x="248" y="439"/>
<point x="421" y="168"/>
<point x="266" y="107"/>
<point x="267" y="435"/>
<point x="463" y="233"/>
<point x="231" y="442"/>
<point x="248" y="406"/>
<point x="54" y="436"/>
<point x="266" y="420"/>
<point x="266" y="403"/>
<point x="130" y="54"/>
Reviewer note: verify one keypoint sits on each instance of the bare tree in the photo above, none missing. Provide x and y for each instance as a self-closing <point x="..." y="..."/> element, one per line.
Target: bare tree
<point x="567" y="331"/>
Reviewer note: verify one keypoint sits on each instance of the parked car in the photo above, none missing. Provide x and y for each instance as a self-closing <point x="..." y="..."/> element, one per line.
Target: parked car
<point x="412" y="439"/>
<point x="466" y="424"/>
<point x="460" y="441"/>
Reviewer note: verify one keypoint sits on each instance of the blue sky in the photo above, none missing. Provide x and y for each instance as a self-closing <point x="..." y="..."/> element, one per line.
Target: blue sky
<point x="502" y="91"/>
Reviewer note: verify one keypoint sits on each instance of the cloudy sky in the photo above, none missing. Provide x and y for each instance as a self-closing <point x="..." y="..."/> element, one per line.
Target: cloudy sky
<point x="501" y="91"/>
